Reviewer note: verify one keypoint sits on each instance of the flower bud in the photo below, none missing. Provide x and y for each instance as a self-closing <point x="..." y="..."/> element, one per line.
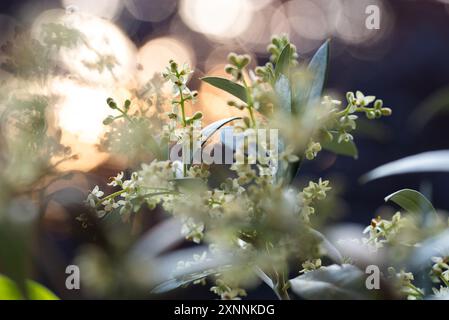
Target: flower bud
<point x="386" y="111"/>
<point x="350" y="97"/>
<point x="173" y="66"/>
<point x="232" y="58"/>
<point x="229" y="69"/>
<point x="197" y="116"/>
<point x="245" y="60"/>
<point x="378" y="113"/>
<point x="111" y="103"/>
<point x="378" y="104"/>
<point x="108" y="120"/>
<point x="172" y="116"/>
<point x="371" y="115"/>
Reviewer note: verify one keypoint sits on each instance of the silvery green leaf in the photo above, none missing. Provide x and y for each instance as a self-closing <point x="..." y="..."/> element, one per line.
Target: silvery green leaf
<point x="318" y="67"/>
<point x="283" y="63"/>
<point x="433" y="161"/>
<point x="284" y="94"/>
<point x="330" y="250"/>
<point x="335" y="282"/>
<point x="437" y="246"/>
<point x="411" y="201"/>
<point x="175" y="283"/>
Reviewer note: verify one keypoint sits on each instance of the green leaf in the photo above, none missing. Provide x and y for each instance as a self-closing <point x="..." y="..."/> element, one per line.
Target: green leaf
<point x="284" y="94"/>
<point x="345" y="282"/>
<point x="283" y="63"/>
<point x="227" y="85"/>
<point x="343" y="148"/>
<point x="318" y="67"/>
<point x="436" y="246"/>
<point x="433" y="161"/>
<point x="411" y="201"/>
<point x="36" y="291"/>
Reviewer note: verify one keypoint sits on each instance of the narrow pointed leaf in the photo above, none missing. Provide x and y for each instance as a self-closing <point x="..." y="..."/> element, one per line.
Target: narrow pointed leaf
<point x="433" y="161"/>
<point x="175" y="283"/>
<point x="318" y="66"/>
<point x="283" y="63"/>
<point x="227" y="85"/>
<point x="284" y="94"/>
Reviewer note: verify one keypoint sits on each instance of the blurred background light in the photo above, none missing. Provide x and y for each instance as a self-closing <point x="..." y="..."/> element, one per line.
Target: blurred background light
<point x="81" y="109"/>
<point x="104" y="56"/>
<point x="218" y="19"/>
<point x="150" y="10"/>
<point x="154" y="56"/>
<point x="80" y="112"/>
<point x="352" y="16"/>
<point x="108" y="9"/>
<point x="213" y="102"/>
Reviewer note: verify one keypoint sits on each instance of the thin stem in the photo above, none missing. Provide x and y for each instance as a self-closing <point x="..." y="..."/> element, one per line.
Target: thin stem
<point x="249" y="102"/>
<point x="111" y="196"/>
<point x="184" y="121"/>
<point x="445" y="281"/>
<point x="281" y="288"/>
<point x="125" y="115"/>
<point x="418" y="293"/>
<point x="181" y="103"/>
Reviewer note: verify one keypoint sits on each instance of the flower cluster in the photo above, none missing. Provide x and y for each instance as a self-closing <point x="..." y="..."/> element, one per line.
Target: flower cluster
<point x="404" y="282"/>
<point x="311" y="265"/>
<point x="227" y="292"/>
<point x="315" y="191"/>
<point x="440" y="270"/>
<point x="248" y="209"/>
<point x="383" y="231"/>
<point x="346" y="119"/>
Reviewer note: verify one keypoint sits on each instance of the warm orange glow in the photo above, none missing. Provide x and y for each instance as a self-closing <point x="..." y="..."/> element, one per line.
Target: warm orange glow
<point x="154" y="56"/>
<point x="213" y="101"/>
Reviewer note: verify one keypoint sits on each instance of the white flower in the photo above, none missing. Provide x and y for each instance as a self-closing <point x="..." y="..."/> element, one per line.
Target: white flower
<point x="329" y="102"/>
<point x="288" y="155"/>
<point x="97" y="192"/>
<point x="117" y="181"/>
<point x="192" y="230"/>
<point x="94" y="196"/>
<point x="363" y="100"/>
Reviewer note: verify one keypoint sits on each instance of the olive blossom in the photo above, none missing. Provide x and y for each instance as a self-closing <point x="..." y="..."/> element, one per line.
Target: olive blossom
<point x="383" y="231"/>
<point x="252" y="212"/>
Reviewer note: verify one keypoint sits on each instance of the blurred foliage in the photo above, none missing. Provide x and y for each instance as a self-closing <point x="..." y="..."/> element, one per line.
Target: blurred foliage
<point x="34" y="291"/>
